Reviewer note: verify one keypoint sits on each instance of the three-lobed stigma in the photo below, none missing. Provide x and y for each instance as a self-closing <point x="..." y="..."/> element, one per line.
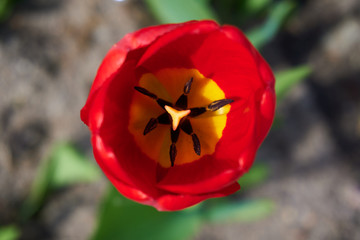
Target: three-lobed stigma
<point x="178" y="116"/>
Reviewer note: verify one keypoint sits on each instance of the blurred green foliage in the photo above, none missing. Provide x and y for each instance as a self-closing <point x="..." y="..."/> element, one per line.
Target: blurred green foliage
<point x="259" y="172"/>
<point x="234" y="12"/>
<point x="64" y="167"/>
<point x="251" y="8"/>
<point x="240" y="211"/>
<point x="241" y="12"/>
<point x="278" y="13"/>
<point x="287" y="79"/>
<point x="176" y="11"/>
<point x="10" y="232"/>
<point x="6" y="8"/>
<point x="121" y="218"/>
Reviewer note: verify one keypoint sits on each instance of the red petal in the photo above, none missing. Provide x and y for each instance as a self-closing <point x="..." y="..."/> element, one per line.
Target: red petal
<point x="204" y="47"/>
<point x="178" y="202"/>
<point x="230" y="64"/>
<point x="112" y="169"/>
<point x="264" y="70"/>
<point x="114" y="147"/>
<point x="199" y="184"/>
<point x="188" y="28"/>
<point x="174" y="48"/>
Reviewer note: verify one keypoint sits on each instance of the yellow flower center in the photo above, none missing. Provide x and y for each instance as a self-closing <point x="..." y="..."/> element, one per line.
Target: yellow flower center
<point x="156" y="100"/>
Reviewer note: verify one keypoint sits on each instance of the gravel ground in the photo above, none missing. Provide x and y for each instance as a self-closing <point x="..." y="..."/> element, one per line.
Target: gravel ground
<point x="50" y="51"/>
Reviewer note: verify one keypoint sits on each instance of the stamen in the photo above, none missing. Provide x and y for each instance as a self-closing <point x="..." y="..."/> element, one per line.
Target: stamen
<point x="216" y="105"/>
<point x="160" y="101"/>
<point x="186" y="126"/>
<point x="151" y="125"/>
<point x="196" y="143"/>
<point x="174" y="135"/>
<point x="176" y="116"/>
<point x="197" y="111"/>
<point x="182" y="102"/>
<point x="173" y="153"/>
<point x="187" y="86"/>
<point x="164" y="118"/>
<point x="145" y="92"/>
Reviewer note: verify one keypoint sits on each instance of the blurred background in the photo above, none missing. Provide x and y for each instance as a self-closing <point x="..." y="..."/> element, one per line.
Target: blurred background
<point x="307" y="169"/>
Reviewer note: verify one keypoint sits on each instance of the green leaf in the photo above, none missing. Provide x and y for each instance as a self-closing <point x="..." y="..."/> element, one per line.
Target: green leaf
<point x="65" y="166"/>
<point x="258" y="173"/>
<point x="278" y="13"/>
<point x="285" y="80"/>
<point x="10" y="232"/>
<point x="71" y="167"/>
<point x="6" y="8"/>
<point x="243" y="211"/>
<point x="121" y="218"/>
<point x="254" y="6"/>
<point x="175" y="11"/>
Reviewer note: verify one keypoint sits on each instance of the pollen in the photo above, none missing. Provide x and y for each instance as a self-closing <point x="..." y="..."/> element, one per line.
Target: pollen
<point x="176" y="115"/>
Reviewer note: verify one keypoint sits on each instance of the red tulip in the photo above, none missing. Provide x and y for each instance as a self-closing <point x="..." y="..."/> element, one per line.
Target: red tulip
<point x="177" y="112"/>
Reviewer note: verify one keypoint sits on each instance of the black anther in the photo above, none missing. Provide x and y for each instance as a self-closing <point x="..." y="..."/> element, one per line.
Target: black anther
<point x="172" y="153"/>
<point x="182" y="102"/>
<point x="151" y="125"/>
<point x="164" y="118"/>
<point x="187" y="86"/>
<point x="216" y="105"/>
<point x="162" y="103"/>
<point x="145" y="92"/>
<point x="194" y="112"/>
<point x="186" y="126"/>
<point x="175" y="135"/>
<point x="196" y="144"/>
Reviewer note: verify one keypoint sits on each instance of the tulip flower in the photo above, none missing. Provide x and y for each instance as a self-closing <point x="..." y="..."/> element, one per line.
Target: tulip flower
<point x="178" y="111"/>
